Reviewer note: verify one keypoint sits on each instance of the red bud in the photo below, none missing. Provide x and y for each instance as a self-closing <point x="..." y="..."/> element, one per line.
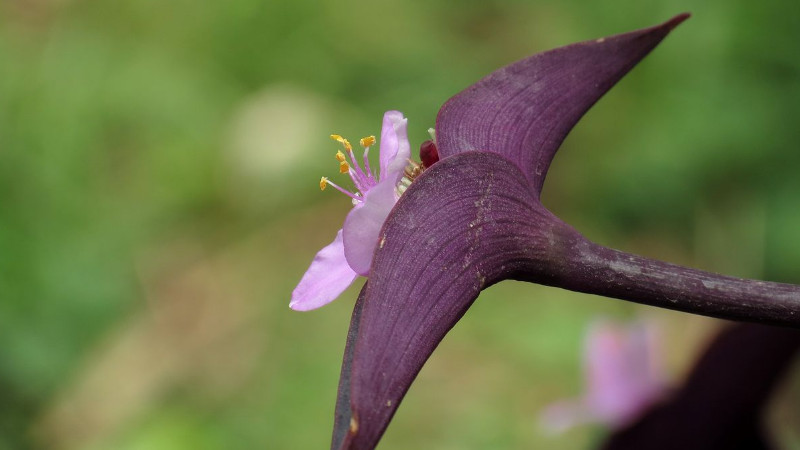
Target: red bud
<point x="428" y="153"/>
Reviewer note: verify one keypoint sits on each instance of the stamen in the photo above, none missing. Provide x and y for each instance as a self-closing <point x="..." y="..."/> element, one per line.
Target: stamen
<point x="325" y="181"/>
<point x="368" y="141"/>
<point x="365" y="179"/>
<point x="360" y="179"/>
<point x="368" y="170"/>
<point x="342" y="141"/>
<point x="402" y="185"/>
<point x="412" y="170"/>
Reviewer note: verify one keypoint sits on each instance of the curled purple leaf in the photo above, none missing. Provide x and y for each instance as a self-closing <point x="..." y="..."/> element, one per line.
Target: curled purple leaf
<point x="525" y="110"/>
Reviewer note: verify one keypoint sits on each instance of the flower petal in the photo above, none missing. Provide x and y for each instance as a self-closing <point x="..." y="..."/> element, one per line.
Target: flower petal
<point x="363" y="224"/>
<point x="525" y="110"/>
<point x="450" y="235"/>
<point x="327" y="277"/>
<point x="395" y="149"/>
<point x="621" y="369"/>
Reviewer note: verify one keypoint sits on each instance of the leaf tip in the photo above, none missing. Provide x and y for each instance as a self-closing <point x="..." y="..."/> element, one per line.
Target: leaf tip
<point x="677" y="20"/>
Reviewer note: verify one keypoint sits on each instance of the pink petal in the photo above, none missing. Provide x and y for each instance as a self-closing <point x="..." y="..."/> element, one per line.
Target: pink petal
<point x="606" y="367"/>
<point x="621" y="379"/>
<point x="395" y="149"/>
<point x="327" y="277"/>
<point x="363" y="225"/>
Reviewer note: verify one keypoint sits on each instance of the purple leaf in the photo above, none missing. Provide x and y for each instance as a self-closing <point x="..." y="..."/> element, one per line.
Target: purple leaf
<point x="474" y="219"/>
<point x="451" y="235"/>
<point x="525" y="110"/>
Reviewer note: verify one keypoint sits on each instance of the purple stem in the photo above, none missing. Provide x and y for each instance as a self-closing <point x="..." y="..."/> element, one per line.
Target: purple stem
<point x="603" y="271"/>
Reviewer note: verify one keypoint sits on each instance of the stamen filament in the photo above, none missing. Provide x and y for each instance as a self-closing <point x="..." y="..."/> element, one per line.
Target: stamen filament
<point x="324" y="182"/>
<point x="366" y="166"/>
<point x="358" y="181"/>
<point x="412" y="170"/>
<point x="361" y="175"/>
<point x="368" y="142"/>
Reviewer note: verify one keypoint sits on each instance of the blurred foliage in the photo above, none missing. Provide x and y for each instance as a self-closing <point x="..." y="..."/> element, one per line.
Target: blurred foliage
<point x="158" y="201"/>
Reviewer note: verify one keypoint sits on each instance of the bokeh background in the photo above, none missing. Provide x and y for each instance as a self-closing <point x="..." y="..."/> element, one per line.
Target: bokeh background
<point x="159" y="164"/>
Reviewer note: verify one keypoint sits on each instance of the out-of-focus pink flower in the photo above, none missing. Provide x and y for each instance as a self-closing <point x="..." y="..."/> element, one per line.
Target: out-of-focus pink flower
<point x="624" y="377"/>
<point x="338" y="264"/>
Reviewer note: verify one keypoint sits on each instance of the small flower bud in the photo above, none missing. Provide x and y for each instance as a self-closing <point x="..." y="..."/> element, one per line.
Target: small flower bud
<point x="428" y="153"/>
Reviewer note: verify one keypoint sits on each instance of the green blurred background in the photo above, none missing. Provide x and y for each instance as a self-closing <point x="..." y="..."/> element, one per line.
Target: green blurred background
<point x="158" y="201"/>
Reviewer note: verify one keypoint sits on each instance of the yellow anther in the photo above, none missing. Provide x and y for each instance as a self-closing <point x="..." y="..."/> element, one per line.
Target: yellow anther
<point x="340" y="157"/>
<point x="368" y="141"/>
<point x="342" y="141"/>
<point x="322" y="183"/>
<point x="344" y="167"/>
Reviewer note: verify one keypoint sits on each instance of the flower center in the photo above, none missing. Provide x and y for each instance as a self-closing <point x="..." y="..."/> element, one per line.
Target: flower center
<point x="363" y="178"/>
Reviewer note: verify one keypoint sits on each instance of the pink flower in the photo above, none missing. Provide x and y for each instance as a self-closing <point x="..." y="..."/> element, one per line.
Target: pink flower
<point x="623" y="377"/>
<point x="337" y="265"/>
